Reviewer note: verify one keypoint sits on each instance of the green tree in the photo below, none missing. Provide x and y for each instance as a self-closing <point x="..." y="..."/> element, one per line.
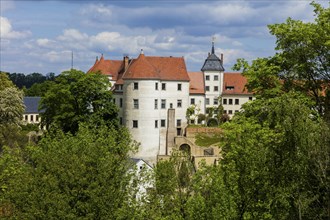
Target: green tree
<point x="270" y="165"/>
<point x="173" y="187"/>
<point x="301" y="63"/>
<point x="11" y="113"/>
<point x="72" y="177"/>
<point x="77" y="97"/>
<point x="39" y="89"/>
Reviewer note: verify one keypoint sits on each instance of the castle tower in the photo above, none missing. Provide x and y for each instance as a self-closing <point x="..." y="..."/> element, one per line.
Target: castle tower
<point x="213" y="75"/>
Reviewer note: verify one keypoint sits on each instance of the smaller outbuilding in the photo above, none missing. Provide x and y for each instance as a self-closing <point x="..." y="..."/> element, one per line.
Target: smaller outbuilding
<point x="32" y="112"/>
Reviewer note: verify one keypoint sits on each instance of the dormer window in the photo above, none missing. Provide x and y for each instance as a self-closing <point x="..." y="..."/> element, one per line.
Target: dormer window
<point x="229" y="87"/>
<point x="119" y="87"/>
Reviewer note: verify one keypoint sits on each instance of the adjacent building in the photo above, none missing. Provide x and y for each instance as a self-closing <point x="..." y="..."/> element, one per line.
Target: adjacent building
<point x="153" y="94"/>
<point x="32" y="113"/>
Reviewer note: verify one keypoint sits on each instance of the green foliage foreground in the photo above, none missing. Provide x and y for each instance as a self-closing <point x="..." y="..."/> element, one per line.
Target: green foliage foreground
<point x="67" y="177"/>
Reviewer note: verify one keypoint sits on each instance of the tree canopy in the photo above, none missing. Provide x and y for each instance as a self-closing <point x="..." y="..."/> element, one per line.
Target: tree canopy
<point x="301" y="63"/>
<point x="78" y="97"/>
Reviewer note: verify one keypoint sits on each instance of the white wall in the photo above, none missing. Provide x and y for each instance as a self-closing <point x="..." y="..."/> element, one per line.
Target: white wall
<point x="212" y="83"/>
<point x="230" y="109"/>
<point x="153" y="140"/>
<point x="32" y="118"/>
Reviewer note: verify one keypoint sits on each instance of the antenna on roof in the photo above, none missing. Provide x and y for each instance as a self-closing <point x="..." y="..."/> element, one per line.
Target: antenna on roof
<point x="71" y="59"/>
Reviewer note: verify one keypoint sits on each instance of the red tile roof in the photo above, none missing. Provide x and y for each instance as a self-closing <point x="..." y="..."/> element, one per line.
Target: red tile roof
<point x="144" y="67"/>
<point x="234" y="83"/>
<point x="107" y="67"/>
<point x="141" y="68"/>
<point x="196" y="83"/>
<point x="170" y="68"/>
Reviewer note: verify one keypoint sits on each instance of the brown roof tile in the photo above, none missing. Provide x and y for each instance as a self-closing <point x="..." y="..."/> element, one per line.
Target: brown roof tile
<point x="196" y="83"/>
<point x="170" y="68"/>
<point x="107" y="67"/>
<point x="141" y="68"/>
<point x="235" y="81"/>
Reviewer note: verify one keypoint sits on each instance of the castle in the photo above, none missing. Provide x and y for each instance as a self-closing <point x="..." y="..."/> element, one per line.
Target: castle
<point x="153" y="94"/>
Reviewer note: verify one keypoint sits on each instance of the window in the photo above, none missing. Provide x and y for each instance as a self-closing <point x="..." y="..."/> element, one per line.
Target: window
<point x="31" y="118"/>
<point x="136" y="103"/>
<point x="207" y="101"/>
<point x="121" y="120"/>
<point x="114" y="100"/>
<point x="236" y="111"/>
<point x="192" y="121"/>
<point x="229" y="87"/>
<point x="207" y="88"/>
<point x="37" y="118"/>
<point x="171" y="105"/>
<point x="192" y="101"/>
<point x="216" y="78"/>
<point x="179" y="103"/>
<point x="207" y="77"/>
<point x="178" y="122"/>
<point x="225" y="111"/>
<point x="163" y="86"/>
<point x="236" y="101"/>
<point x="135" y="124"/>
<point x="156" y="103"/>
<point x="216" y="88"/>
<point x="250" y="98"/>
<point x="156" y="86"/>
<point x="215" y="101"/>
<point x="136" y="86"/>
<point x="230" y="101"/>
<point x="162" y="123"/>
<point x="163" y="103"/>
<point x="225" y="101"/>
<point x="179" y="86"/>
<point x="26" y="117"/>
<point x="156" y="123"/>
<point x="121" y="102"/>
<point x="230" y="112"/>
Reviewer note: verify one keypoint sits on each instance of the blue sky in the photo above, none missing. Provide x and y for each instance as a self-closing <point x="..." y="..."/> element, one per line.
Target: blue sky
<point x="38" y="36"/>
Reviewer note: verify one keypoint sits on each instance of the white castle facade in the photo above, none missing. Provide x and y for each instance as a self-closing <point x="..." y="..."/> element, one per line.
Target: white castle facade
<point x="153" y="94"/>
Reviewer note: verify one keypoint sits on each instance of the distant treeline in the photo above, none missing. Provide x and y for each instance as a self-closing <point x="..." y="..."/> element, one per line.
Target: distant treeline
<point x="33" y="84"/>
<point x="22" y="80"/>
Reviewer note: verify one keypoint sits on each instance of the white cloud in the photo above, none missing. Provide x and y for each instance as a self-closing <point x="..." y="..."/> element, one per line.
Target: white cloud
<point x="73" y="35"/>
<point x="7" y="32"/>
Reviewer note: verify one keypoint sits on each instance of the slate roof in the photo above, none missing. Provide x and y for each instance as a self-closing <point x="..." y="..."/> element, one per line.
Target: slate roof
<point x="31" y="105"/>
<point x="212" y="62"/>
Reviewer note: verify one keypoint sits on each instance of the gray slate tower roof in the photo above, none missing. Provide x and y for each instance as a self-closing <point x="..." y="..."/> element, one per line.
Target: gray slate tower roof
<point x="212" y="63"/>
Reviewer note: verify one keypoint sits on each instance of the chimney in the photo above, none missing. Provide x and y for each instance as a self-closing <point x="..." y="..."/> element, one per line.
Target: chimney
<point x="221" y="58"/>
<point x="125" y="62"/>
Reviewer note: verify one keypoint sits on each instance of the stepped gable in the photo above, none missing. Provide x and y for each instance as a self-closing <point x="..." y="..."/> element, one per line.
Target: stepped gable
<point x="141" y="68"/>
<point x="212" y="62"/>
<point x="170" y="68"/>
<point x="234" y="83"/>
<point x="196" y="83"/>
<point x="107" y="67"/>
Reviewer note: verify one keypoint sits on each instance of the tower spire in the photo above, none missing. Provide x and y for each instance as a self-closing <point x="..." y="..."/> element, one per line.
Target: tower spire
<point x="213" y="39"/>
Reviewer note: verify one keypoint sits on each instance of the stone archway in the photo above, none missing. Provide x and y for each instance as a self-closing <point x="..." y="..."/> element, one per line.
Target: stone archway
<point x="185" y="148"/>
